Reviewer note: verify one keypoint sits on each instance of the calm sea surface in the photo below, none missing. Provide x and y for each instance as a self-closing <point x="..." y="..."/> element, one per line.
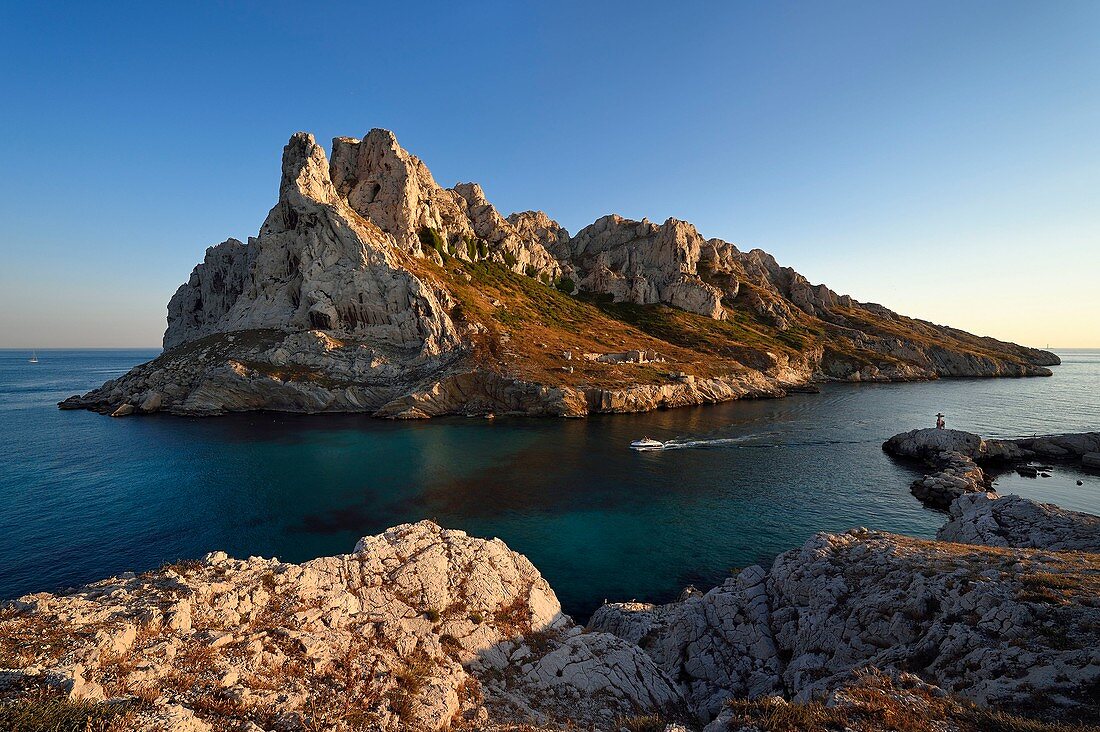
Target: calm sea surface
<point x="84" y="496"/>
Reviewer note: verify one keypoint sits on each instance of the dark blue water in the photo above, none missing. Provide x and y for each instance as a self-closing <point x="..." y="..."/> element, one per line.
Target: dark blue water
<point x="85" y="496"/>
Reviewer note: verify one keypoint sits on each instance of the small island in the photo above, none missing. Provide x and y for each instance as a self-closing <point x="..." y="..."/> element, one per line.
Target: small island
<point x="370" y="288"/>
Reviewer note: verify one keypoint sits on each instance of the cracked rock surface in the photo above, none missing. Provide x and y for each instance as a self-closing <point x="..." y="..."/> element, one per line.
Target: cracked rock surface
<point x="408" y="631"/>
<point x="992" y="520"/>
<point x="427" y="628"/>
<point x="1011" y="628"/>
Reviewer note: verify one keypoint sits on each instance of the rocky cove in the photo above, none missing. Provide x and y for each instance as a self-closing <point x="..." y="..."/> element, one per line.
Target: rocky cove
<point x="371" y="288"/>
<point x="422" y="627"/>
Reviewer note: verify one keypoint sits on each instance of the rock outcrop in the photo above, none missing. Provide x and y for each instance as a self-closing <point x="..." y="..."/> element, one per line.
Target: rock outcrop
<point x="426" y="628"/>
<point x="643" y="263"/>
<point x="316" y="264"/>
<point x="371" y="288"/>
<point x="955" y="455"/>
<point x="951" y="454"/>
<point x="418" y="628"/>
<point x="1012" y="521"/>
<point x="957" y="617"/>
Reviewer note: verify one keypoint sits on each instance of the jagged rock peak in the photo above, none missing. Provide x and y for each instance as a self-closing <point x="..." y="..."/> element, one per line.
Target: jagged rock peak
<point x="316" y="264"/>
<point x="335" y="262"/>
<point x="305" y="171"/>
<point x="394" y="189"/>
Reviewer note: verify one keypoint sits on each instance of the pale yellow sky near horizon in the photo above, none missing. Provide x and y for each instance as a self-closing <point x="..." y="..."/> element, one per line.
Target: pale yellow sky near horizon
<point x="1023" y="304"/>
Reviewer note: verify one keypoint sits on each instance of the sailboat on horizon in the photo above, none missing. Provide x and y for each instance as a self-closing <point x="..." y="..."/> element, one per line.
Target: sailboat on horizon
<point x="34" y="356"/>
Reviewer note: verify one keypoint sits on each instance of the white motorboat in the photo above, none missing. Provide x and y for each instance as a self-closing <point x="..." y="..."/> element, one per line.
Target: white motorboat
<point x="647" y="443"/>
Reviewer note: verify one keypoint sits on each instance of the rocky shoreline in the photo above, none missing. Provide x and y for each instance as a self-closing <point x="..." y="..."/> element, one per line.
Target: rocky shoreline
<point x="957" y="457"/>
<point x="422" y="627"/>
<point x="370" y="288"/>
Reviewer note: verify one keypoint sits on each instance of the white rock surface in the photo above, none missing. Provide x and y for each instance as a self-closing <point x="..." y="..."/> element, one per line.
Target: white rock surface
<point x="418" y="627"/>
<point x="1000" y="627"/>
<point x="716" y="645"/>
<point x="1012" y="521"/>
<point x="316" y="263"/>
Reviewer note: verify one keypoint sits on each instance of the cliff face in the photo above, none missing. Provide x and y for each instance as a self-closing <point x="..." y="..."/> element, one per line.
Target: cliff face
<point x="371" y="288"/>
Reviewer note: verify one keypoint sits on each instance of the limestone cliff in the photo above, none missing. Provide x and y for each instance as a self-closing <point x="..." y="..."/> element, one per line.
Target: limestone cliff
<point x="369" y="287"/>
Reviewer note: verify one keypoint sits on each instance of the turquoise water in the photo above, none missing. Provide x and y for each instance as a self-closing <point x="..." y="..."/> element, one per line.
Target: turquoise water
<point x="86" y="496"/>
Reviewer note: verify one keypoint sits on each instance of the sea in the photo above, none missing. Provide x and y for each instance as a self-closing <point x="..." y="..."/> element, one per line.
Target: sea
<point x="85" y="496"/>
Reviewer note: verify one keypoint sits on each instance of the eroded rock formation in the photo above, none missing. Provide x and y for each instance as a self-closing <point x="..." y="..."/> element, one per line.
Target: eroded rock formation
<point x="956" y="458"/>
<point x="426" y="628"/>
<point x="369" y="287"/>
<point x="992" y="520"/>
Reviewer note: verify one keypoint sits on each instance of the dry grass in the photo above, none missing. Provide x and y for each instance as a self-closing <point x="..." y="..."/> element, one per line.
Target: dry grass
<point x="513" y="618"/>
<point x="410" y="680"/>
<point x="642" y="723"/>
<point x="27" y="638"/>
<point x="875" y="704"/>
<point x="48" y="713"/>
<point x="184" y="567"/>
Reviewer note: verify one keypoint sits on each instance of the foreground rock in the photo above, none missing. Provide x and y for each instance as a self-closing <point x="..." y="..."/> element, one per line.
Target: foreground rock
<point x="419" y="628"/>
<point x="371" y="288"/>
<point x="1012" y="521"/>
<point x="990" y="625"/>
<point x="425" y="628"/>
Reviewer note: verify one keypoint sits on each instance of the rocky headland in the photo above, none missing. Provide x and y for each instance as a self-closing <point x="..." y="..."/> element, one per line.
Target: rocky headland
<point x="994" y="626"/>
<point x="371" y="288"/>
<point x="956" y="459"/>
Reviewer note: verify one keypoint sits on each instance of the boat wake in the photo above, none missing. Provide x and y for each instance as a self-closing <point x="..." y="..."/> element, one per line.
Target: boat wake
<point x="697" y="444"/>
<point x="745" y="441"/>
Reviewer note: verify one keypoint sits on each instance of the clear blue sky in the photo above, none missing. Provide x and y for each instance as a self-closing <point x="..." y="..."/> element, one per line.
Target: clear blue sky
<point x="940" y="158"/>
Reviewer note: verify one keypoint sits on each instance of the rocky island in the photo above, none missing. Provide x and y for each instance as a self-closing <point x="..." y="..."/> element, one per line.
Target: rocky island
<point x="370" y="288"/>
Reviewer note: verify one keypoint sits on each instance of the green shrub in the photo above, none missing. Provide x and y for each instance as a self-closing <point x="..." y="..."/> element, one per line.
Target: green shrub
<point x="510" y="259"/>
<point x="566" y="285"/>
<point x="471" y="247"/>
<point x="429" y="237"/>
<point x="476" y="618"/>
<point x="482" y="249"/>
<point x="530" y="270"/>
<point x="432" y="615"/>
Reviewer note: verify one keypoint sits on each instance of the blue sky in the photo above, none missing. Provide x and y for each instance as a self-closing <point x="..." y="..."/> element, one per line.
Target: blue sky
<point x="940" y="158"/>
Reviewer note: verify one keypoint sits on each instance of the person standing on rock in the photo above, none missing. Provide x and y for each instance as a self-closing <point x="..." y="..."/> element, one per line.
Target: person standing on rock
<point x="940" y="424"/>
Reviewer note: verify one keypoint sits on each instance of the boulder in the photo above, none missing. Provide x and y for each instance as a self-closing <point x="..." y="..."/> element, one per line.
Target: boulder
<point x="930" y="442"/>
<point x="1012" y="521"/>
<point x="398" y="632"/>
